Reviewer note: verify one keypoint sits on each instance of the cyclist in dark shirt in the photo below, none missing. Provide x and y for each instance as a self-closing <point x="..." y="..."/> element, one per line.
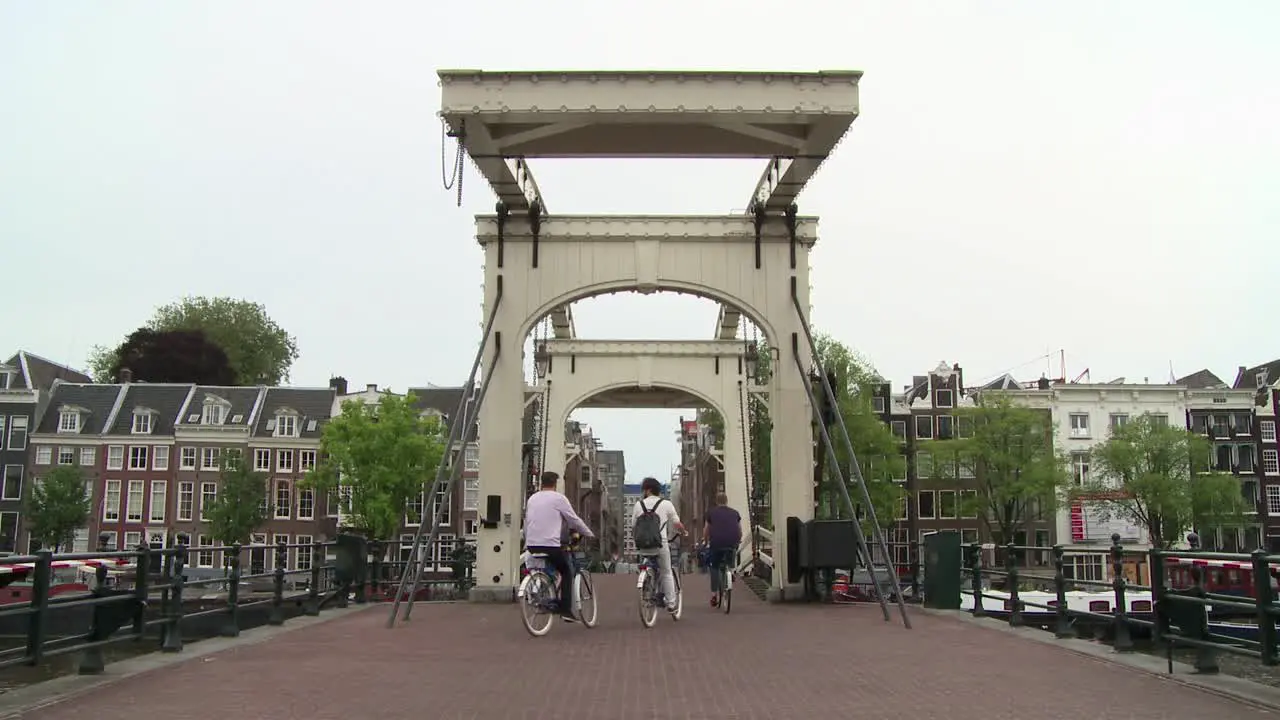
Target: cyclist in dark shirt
<point x="723" y="534"/>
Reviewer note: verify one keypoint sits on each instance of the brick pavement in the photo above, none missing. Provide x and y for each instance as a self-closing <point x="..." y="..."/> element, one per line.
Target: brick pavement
<point x="476" y="661"/>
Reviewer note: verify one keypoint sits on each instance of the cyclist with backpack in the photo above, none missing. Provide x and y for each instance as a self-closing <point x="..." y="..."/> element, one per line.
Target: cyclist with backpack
<point x="653" y="521"/>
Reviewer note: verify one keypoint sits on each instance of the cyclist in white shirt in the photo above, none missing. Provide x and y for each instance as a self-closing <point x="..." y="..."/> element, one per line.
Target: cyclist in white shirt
<point x="652" y="501"/>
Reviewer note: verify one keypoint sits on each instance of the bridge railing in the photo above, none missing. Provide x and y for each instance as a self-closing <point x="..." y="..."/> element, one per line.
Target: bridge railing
<point x="1209" y="601"/>
<point x="156" y="593"/>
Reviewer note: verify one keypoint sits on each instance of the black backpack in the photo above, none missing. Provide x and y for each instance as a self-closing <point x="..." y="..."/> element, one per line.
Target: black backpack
<point x="647" y="533"/>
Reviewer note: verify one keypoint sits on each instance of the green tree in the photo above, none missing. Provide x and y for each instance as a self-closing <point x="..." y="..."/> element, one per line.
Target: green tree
<point x="1008" y="449"/>
<point x="1157" y="476"/>
<point x="242" y="504"/>
<point x="383" y="456"/>
<point x="259" y="350"/>
<point x="57" y="507"/>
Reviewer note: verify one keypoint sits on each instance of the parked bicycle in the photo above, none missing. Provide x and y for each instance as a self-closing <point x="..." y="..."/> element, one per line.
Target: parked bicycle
<point x="649" y="585"/>
<point x="539" y="592"/>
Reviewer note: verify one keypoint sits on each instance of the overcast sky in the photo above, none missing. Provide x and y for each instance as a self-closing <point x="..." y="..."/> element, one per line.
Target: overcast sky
<point x="1098" y="177"/>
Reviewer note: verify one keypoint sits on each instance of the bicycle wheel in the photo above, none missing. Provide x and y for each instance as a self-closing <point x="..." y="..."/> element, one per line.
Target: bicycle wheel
<point x="648" y="608"/>
<point x="726" y="591"/>
<point x="535" y="608"/>
<point x="584" y="598"/>
<point x="675" y="575"/>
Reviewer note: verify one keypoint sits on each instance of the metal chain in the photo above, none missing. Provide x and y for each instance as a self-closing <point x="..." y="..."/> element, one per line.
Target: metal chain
<point x="454" y="177"/>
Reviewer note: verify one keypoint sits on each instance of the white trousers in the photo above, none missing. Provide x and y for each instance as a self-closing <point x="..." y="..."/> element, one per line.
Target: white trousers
<point x="666" y="580"/>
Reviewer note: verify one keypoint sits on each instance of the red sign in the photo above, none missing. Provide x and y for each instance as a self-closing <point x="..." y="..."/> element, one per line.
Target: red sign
<point x="1077" y="522"/>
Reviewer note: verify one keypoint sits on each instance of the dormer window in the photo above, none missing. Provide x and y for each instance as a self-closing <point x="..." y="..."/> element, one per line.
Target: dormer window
<point x="142" y="421"/>
<point x="286" y="424"/>
<point x="1261" y="378"/>
<point x="215" y="411"/>
<point x="69" y="419"/>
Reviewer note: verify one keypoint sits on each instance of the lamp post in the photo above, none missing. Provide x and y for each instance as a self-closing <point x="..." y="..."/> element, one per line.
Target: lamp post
<point x="541" y="360"/>
<point x="751" y="361"/>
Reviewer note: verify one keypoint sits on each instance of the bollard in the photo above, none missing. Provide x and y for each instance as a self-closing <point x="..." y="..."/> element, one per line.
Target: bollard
<point x="1011" y="579"/>
<point x="276" y="617"/>
<point x="177" y="580"/>
<point x="231" y="626"/>
<point x="1062" y="619"/>
<point x="1122" y="640"/>
<point x="1206" y="657"/>
<point x="1265" y="598"/>
<point x="38" y="620"/>
<point x="91" y="660"/>
<point x="975" y="566"/>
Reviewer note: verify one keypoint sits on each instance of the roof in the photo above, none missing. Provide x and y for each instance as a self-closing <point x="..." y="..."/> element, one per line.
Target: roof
<point x="38" y="373"/>
<point x="164" y="399"/>
<point x="243" y="400"/>
<point x="1201" y="380"/>
<point x="1248" y="377"/>
<point x="96" y="401"/>
<point x="313" y="406"/>
<point x="445" y="400"/>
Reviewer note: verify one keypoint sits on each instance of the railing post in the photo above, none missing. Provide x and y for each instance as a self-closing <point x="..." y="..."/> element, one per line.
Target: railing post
<point x="38" y="621"/>
<point x="375" y="577"/>
<point x="1122" y="639"/>
<point x="1264" y="598"/>
<point x="1206" y="657"/>
<point x="141" y="590"/>
<point x="1159" y="614"/>
<point x="91" y="660"/>
<point x="231" y="626"/>
<point x="975" y="568"/>
<point x="276" y="617"/>
<point x="313" y="586"/>
<point x="177" y="580"/>
<point x="362" y="579"/>
<point x="913" y="557"/>
<point x="1011" y="579"/>
<point x="1062" y="619"/>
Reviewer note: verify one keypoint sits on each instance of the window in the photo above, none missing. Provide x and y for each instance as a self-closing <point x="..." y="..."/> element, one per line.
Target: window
<point x="1159" y="420"/>
<point x="108" y="540"/>
<point x="188" y="459"/>
<point x="18" y="432"/>
<point x="900" y="469"/>
<point x="1266" y="427"/>
<point x="946" y="427"/>
<point x="66" y="456"/>
<point x="306" y="504"/>
<point x="924" y="465"/>
<point x="133" y="503"/>
<point x="1080" y="467"/>
<point x="331" y="502"/>
<point x="964" y="427"/>
<point x="1223" y="458"/>
<point x="44" y="453"/>
<point x="186" y="500"/>
<point x="899" y="429"/>
<point x="1220" y="425"/>
<point x="964" y="468"/>
<point x="304" y="551"/>
<point x="262" y="460"/>
<point x="1118" y="420"/>
<point x="132" y="540"/>
<point x="284" y="461"/>
<point x="284" y="499"/>
<point x="471" y="494"/>
<point x="877" y="405"/>
<point x="947" y="504"/>
<point x="12" y="483"/>
<point x="214" y="413"/>
<point x="412" y="510"/>
<point x="115" y="457"/>
<point x="1084" y="567"/>
<point x="1249" y="491"/>
<point x="471" y="527"/>
<point x="904" y="507"/>
<point x="1244" y="459"/>
<point x="442" y="501"/>
<point x="471" y="458"/>
<point x="1273" y="500"/>
<point x="276" y="542"/>
<point x="88" y="456"/>
<point x="159" y="496"/>
<point x="68" y="421"/>
<point x="264" y="507"/>
<point x="944" y="399"/>
<point x="1079" y="425"/>
<point x="286" y="425"/>
<point x="233" y="457"/>
<point x="209" y="458"/>
<point x="1242" y="423"/>
<point x="969" y="504"/>
<point x="1270" y="462"/>
<point x="307" y="460"/>
<point x="444" y="552"/>
<point x="138" y="457"/>
<point x="924" y="427"/>
<point x="406" y="548"/>
<point x="160" y="457"/>
<point x="208" y="496"/>
<point x="204" y="551"/>
<point x="111" y="501"/>
<point x="1042" y="538"/>
<point x="141" y="423"/>
<point x="969" y="536"/>
<point x="924" y="505"/>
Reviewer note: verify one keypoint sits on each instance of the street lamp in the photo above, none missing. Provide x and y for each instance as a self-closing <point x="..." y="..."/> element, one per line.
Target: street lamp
<point x="751" y="359"/>
<point x="541" y="360"/>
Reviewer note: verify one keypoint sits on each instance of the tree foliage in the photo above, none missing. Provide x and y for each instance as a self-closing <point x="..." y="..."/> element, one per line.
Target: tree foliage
<point x="57" y="507"/>
<point x="242" y="505"/>
<point x="1009" y="450"/>
<point x="383" y="455"/>
<point x="260" y="351"/>
<point x="176" y="356"/>
<point x="1156" y="476"/>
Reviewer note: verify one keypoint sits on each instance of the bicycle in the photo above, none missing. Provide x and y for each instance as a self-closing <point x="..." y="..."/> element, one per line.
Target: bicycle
<point x="539" y="592"/>
<point x="724" y="598"/>
<point x="649" y="586"/>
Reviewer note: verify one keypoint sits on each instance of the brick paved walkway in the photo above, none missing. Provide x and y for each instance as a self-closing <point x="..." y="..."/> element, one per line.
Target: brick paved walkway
<point x="469" y="661"/>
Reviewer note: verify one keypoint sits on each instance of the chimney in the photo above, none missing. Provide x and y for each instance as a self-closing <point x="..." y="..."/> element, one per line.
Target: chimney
<point x="126" y="375"/>
<point x="371" y="387"/>
<point x="339" y="384"/>
<point x="959" y="378"/>
<point x="1043" y="383"/>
